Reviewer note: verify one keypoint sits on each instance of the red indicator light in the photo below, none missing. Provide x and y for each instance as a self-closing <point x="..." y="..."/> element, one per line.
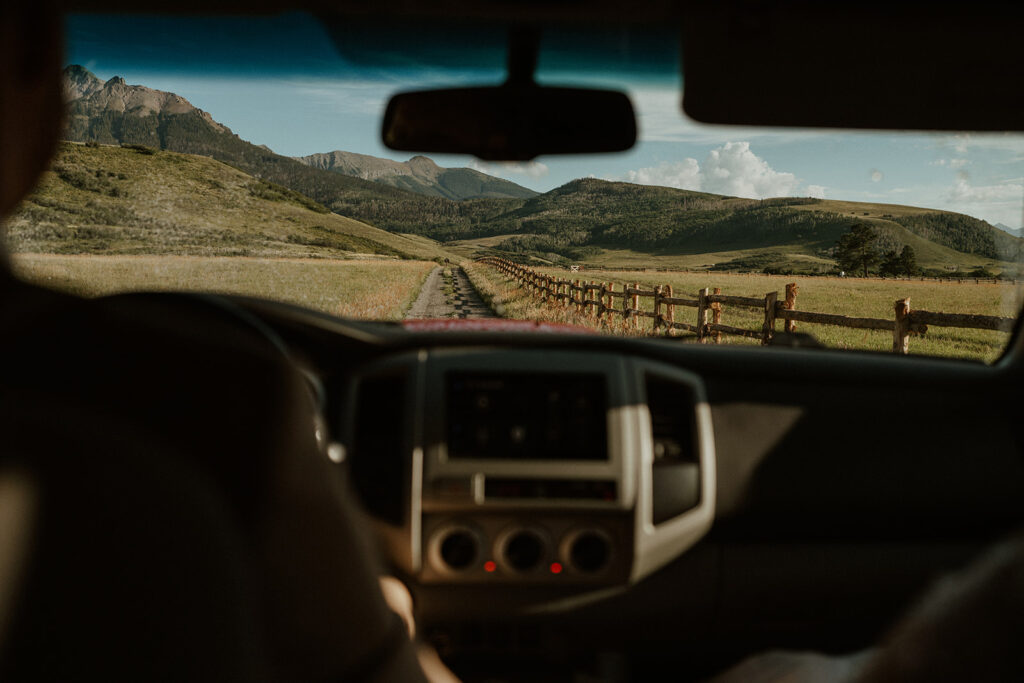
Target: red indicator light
<point x="556" y="567"/>
<point x="490" y="566"/>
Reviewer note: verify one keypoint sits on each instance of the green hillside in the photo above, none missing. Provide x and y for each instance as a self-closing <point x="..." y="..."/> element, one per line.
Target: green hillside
<point x="589" y="219"/>
<point x="378" y="204"/>
<point x="459" y="184"/>
<point x="107" y="200"/>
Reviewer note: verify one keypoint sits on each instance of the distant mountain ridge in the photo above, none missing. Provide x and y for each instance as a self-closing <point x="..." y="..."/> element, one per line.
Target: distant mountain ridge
<point x="419" y="174"/>
<point x="1016" y="232"/>
<point x="114" y="112"/>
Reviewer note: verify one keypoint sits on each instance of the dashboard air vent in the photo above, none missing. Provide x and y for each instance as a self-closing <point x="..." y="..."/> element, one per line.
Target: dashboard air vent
<point x="675" y="471"/>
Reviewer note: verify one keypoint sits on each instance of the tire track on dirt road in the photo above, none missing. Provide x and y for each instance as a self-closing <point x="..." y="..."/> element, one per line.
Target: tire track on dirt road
<point x="448" y="295"/>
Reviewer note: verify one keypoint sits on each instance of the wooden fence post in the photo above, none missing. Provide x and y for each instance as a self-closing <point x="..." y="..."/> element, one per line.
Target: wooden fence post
<point x="610" y="308"/>
<point x="901" y="331"/>
<point x="790" y="304"/>
<point x="702" y="314"/>
<point x="716" y="316"/>
<point x="601" y="293"/>
<point x="657" y="308"/>
<point x="627" y="311"/>
<point x="768" y="328"/>
<point x="590" y="307"/>
<point x="636" y="306"/>
<point x="670" y="311"/>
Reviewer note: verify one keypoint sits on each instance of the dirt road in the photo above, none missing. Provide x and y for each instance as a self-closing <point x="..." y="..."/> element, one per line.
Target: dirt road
<point x="448" y="297"/>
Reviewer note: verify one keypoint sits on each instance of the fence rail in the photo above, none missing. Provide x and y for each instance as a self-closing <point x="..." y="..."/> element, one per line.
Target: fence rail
<point x="599" y="300"/>
<point x="951" y="279"/>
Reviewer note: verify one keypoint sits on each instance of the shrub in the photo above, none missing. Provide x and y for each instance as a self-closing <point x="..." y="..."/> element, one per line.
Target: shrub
<point x="141" y="149"/>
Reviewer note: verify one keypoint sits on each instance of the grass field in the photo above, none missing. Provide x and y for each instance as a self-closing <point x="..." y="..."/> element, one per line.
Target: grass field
<point x="850" y="296"/>
<point x="369" y="289"/>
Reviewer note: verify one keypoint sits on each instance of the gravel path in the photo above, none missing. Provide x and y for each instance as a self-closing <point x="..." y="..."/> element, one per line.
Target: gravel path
<point x="432" y="301"/>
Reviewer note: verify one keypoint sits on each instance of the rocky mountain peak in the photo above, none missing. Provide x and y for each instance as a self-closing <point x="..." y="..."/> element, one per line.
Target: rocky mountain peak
<point x="79" y="82"/>
<point x="92" y="97"/>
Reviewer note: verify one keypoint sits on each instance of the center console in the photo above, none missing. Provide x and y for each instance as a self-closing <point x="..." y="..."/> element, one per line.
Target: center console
<point x="547" y="468"/>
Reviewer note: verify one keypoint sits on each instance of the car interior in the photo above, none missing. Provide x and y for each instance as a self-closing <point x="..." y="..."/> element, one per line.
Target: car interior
<point x="207" y="486"/>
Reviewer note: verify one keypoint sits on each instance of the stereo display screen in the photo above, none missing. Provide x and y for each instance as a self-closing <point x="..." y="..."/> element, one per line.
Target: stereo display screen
<point x="505" y="416"/>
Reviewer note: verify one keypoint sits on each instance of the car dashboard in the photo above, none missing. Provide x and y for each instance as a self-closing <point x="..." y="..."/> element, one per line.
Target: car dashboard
<point x="558" y="493"/>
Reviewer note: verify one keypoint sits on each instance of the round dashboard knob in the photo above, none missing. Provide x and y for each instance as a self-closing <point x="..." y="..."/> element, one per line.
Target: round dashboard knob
<point x="590" y="551"/>
<point x="523" y="550"/>
<point x="459" y="549"/>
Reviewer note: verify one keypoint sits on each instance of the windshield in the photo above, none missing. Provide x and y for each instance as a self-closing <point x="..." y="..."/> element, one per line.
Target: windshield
<point x="198" y="158"/>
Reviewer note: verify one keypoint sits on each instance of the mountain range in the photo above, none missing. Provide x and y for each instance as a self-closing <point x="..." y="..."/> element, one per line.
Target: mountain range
<point x="571" y="222"/>
<point x="419" y="174"/>
<point x="114" y="112"/>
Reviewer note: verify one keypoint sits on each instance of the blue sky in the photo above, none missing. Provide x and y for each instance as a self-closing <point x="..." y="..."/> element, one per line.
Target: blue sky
<point x="280" y="82"/>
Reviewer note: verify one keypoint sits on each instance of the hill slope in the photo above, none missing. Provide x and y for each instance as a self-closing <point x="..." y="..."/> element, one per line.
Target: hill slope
<point x="420" y="174"/>
<point x="585" y="214"/>
<point x="111" y="200"/>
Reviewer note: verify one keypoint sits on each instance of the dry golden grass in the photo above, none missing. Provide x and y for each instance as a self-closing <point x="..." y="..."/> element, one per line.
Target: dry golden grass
<point x="849" y="296"/>
<point x="369" y="289"/>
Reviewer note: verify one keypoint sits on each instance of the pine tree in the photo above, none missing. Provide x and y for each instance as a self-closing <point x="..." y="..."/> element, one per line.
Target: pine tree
<point x="858" y="249"/>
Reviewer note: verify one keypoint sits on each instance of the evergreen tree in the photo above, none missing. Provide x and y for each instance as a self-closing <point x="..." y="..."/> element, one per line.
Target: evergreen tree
<point x="891" y="264"/>
<point x="908" y="261"/>
<point x="858" y="249"/>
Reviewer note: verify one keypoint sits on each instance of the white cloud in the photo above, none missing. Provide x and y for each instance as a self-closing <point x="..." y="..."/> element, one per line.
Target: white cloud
<point x="999" y="202"/>
<point x="683" y="174"/>
<point x="531" y="169"/>
<point x="963" y="191"/>
<point x="731" y="169"/>
<point x="876" y="175"/>
<point x="816" y="191"/>
<point x="734" y="170"/>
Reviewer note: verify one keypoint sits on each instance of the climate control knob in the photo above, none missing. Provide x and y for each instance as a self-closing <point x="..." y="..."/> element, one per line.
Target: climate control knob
<point x="523" y="550"/>
<point x="590" y="551"/>
<point x="459" y="549"/>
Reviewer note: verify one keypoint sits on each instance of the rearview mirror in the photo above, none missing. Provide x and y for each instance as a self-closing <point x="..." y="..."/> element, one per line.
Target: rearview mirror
<point x="510" y="122"/>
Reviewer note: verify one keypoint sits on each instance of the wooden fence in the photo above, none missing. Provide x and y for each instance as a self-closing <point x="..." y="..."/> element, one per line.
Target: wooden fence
<point x="598" y="300"/>
<point x="951" y="279"/>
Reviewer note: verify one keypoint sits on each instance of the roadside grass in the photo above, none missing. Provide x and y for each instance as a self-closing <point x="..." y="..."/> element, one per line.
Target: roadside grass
<point x="844" y="296"/>
<point x="509" y="300"/>
<point x="366" y="289"/>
